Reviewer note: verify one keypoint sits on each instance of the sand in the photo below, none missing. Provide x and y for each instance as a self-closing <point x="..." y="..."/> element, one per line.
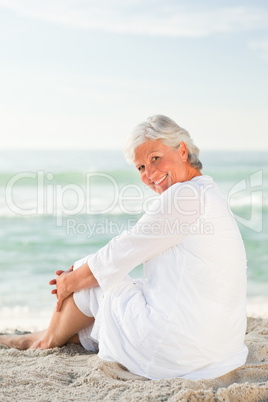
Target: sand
<point x="72" y="374"/>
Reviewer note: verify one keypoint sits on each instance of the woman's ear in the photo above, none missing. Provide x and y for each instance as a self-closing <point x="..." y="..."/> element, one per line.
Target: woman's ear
<point x="183" y="151"/>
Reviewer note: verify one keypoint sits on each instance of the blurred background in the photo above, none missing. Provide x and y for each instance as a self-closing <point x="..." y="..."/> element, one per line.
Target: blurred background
<point x="75" y="77"/>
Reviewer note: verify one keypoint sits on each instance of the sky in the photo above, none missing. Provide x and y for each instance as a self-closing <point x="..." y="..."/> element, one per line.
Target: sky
<point x="80" y="74"/>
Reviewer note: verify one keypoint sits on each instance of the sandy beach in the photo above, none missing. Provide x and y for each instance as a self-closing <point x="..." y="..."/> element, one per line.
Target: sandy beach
<point x="70" y="373"/>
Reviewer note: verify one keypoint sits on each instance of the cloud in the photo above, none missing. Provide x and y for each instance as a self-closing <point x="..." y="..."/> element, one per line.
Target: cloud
<point x="151" y="17"/>
<point x="260" y="45"/>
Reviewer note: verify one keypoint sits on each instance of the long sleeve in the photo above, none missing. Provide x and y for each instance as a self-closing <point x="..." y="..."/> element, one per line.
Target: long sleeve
<point x="166" y="223"/>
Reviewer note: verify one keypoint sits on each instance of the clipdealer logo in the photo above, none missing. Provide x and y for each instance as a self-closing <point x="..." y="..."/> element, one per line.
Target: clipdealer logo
<point x="54" y="199"/>
<point x="66" y="200"/>
<point x="248" y="195"/>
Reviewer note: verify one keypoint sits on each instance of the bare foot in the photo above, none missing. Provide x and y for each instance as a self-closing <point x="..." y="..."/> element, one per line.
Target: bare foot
<point x="36" y="345"/>
<point x="20" y="342"/>
<point x="39" y="344"/>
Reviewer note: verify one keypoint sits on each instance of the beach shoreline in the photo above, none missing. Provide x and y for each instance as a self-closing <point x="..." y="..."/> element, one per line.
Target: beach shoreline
<point x="24" y="319"/>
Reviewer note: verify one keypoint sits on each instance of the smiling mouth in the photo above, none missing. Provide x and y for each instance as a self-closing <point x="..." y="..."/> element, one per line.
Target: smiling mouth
<point x="160" y="181"/>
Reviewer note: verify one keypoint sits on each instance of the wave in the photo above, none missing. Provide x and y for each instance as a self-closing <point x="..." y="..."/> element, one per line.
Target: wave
<point x="98" y="202"/>
<point x="34" y="178"/>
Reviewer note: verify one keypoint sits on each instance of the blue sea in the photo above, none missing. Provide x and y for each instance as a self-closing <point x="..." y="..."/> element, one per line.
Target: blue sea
<point x="59" y="206"/>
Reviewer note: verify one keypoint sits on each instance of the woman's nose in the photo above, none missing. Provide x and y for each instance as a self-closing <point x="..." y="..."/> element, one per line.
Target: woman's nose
<point x="150" y="171"/>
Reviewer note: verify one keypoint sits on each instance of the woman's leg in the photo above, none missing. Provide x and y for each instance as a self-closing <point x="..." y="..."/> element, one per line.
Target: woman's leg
<point x="64" y="325"/>
<point x="63" y="328"/>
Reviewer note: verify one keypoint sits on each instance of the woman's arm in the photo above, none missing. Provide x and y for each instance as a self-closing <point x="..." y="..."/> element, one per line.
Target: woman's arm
<point x="68" y="282"/>
<point x="167" y="223"/>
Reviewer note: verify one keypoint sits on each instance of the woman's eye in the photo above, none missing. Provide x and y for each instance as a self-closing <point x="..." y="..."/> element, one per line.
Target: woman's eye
<point x="140" y="167"/>
<point x="155" y="158"/>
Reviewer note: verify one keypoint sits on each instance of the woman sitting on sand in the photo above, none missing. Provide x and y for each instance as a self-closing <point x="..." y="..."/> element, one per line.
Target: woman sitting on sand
<point x="188" y="317"/>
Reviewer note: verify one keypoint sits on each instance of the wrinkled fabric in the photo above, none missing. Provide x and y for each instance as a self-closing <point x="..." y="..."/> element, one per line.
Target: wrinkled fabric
<point x="188" y="317"/>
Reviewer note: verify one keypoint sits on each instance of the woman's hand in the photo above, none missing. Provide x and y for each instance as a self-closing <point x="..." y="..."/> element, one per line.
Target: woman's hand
<point x="61" y="291"/>
<point x="68" y="282"/>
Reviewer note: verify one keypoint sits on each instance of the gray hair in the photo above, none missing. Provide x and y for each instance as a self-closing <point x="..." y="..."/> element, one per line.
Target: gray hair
<point x="162" y="128"/>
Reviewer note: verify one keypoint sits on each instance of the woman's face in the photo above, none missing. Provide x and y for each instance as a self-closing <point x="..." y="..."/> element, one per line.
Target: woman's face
<point x="160" y="166"/>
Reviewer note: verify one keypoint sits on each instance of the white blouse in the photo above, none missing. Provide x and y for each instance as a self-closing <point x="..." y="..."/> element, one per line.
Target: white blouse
<point x="188" y="317"/>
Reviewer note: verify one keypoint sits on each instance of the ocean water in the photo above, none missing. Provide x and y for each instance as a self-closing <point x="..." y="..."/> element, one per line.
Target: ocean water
<point x="59" y="206"/>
